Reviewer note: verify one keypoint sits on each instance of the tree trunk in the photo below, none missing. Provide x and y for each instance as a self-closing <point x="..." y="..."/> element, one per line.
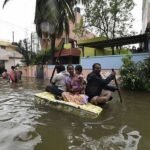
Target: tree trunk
<point x="53" y="38"/>
<point x="113" y="52"/>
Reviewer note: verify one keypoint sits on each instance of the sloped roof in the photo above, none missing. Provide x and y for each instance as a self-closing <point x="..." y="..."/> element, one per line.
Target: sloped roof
<point x="7" y="44"/>
<point x="6" y="54"/>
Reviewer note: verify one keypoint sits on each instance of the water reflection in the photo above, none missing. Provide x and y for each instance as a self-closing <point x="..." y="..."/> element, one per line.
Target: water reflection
<point x="123" y="140"/>
<point x="18" y="117"/>
<point x="24" y="125"/>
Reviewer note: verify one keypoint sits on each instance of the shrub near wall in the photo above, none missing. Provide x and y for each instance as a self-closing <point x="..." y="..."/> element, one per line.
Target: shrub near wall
<point x="135" y="76"/>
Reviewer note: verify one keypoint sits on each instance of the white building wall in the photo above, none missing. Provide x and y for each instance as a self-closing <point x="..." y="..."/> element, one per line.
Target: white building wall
<point x="148" y="12"/>
<point x="9" y="63"/>
<point x="12" y="62"/>
<point x="35" y="43"/>
<point x="144" y="15"/>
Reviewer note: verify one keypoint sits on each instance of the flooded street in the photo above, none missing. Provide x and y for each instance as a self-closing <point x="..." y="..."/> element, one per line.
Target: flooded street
<point x="25" y="125"/>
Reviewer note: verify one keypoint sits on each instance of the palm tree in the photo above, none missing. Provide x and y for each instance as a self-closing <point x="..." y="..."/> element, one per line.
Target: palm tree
<point x="57" y="13"/>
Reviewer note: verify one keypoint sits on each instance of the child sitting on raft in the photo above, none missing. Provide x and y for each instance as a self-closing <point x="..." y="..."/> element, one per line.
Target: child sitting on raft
<point x="74" y="88"/>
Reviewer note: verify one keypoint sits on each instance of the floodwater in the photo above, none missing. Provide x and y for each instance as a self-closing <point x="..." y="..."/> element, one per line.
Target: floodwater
<point x="24" y="125"/>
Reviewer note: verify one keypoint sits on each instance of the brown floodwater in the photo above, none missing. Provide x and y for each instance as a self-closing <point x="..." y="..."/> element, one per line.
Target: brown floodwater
<point x="24" y="125"/>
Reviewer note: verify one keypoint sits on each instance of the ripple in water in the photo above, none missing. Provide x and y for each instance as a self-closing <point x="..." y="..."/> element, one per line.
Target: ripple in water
<point x="123" y="140"/>
<point x="18" y="119"/>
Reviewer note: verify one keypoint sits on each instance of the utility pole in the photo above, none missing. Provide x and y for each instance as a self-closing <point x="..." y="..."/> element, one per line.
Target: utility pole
<point x="31" y="44"/>
<point x="13" y="36"/>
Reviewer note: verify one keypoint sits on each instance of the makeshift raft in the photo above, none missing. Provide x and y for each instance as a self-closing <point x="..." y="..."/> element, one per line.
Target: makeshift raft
<point x="86" y="110"/>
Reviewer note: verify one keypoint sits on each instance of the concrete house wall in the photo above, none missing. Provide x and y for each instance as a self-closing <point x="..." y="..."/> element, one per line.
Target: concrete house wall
<point x="9" y="55"/>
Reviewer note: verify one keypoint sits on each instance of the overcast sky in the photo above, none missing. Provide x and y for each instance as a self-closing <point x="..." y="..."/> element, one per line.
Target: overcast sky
<point x="18" y="16"/>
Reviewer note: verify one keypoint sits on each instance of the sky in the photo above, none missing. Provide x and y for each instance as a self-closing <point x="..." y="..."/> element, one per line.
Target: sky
<point x="18" y="17"/>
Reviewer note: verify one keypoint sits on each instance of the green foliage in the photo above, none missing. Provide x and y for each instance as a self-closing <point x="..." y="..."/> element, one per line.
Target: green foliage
<point x="79" y="29"/>
<point x="95" y="39"/>
<point x="145" y="72"/>
<point x="110" y="18"/>
<point x="23" y="48"/>
<point x="42" y="57"/>
<point x="135" y="76"/>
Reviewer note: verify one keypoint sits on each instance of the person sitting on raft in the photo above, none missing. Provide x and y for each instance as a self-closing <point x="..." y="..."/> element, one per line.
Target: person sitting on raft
<point x="74" y="88"/>
<point x="58" y="85"/>
<point x="96" y="86"/>
<point x="81" y="79"/>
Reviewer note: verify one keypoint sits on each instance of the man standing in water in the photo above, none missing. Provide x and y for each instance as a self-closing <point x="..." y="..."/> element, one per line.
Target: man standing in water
<point x="95" y="86"/>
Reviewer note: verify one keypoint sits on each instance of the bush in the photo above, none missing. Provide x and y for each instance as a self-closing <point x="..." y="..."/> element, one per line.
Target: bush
<point x="42" y="57"/>
<point x="135" y="76"/>
<point x="145" y="73"/>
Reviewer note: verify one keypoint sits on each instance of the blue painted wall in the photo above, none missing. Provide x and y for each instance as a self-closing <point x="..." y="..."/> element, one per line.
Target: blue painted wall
<point x="107" y="62"/>
<point x="110" y="61"/>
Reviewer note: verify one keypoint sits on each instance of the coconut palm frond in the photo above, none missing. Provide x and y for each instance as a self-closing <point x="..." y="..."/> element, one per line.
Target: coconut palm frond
<point x="68" y="8"/>
<point x="56" y="12"/>
<point x="62" y="26"/>
<point x="65" y="7"/>
<point x="84" y="2"/>
<point x="5" y="3"/>
<point x="46" y="10"/>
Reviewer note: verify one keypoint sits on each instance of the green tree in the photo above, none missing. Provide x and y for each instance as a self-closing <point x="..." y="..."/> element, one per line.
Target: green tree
<point x="110" y="18"/>
<point x="79" y="29"/>
<point x="23" y="48"/>
<point x="135" y="76"/>
<point x="57" y="13"/>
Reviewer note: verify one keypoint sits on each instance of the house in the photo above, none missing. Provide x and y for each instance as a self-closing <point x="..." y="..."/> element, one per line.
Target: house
<point x="71" y="53"/>
<point x="9" y="56"/>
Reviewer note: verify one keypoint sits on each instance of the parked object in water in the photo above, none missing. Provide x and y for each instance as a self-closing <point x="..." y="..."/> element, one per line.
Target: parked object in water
<point x="88" y="110"/>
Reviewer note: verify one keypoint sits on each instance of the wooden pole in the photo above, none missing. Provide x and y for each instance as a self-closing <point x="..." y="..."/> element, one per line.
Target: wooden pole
<point x="31" y="44"/>
<point x="119" y="93"/>
<point x="57" y="62"/>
